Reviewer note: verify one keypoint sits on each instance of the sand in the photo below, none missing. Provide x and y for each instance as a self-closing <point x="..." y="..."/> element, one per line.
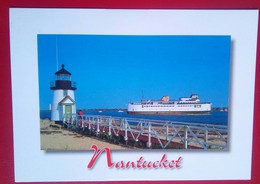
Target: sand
<point x="54" y="137"/>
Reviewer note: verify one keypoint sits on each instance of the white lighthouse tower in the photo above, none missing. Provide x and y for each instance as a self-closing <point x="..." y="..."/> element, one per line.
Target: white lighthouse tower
<point x="63" y="103"/>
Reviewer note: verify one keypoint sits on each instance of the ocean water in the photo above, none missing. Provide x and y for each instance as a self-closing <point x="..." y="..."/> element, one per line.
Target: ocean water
<point x="215" y="117"/>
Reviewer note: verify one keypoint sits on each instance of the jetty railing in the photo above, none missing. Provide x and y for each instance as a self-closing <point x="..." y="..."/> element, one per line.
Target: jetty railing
<point x="146" y="133"/>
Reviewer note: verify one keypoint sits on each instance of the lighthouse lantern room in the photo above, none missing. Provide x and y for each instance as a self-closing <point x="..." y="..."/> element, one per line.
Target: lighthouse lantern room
<point x="63" y="103"/>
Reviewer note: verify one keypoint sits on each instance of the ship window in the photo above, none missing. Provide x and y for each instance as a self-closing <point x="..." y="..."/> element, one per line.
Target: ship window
<point x="197" y="106"/>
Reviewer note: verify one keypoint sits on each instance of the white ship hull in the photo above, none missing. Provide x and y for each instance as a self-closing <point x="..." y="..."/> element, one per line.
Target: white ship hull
<point x="166" y="109"/>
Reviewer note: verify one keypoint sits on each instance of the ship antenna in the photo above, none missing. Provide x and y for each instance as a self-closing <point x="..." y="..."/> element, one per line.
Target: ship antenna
<point x="142" y="95"/>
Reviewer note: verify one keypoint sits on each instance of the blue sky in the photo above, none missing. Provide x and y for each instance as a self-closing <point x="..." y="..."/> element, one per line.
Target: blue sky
<point x="112" y="70"/>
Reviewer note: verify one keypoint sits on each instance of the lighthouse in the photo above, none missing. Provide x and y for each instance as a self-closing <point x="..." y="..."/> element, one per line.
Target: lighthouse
<point x="63" y="103"/>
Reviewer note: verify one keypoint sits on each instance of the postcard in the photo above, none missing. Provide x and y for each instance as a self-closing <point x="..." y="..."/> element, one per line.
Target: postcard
<point x="140" y="95"/>
<point x="115" y="73"/>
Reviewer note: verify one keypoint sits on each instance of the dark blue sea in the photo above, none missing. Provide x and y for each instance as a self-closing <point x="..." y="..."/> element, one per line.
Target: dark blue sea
<point x="215" y="117"/>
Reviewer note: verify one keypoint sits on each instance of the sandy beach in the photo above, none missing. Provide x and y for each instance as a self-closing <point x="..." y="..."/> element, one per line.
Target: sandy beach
<point x="54" y="137"/>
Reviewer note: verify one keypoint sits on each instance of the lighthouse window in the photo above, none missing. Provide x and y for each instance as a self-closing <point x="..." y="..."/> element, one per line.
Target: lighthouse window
<point x="62" y="77"/>
<point x="65" y="92"/>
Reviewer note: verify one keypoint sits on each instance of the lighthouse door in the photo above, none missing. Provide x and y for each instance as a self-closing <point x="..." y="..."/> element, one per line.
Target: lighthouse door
<point x="68" y="110"/>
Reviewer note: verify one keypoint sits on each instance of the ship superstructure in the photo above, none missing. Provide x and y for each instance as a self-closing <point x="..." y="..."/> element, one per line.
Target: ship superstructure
<point x="185" y="105"/>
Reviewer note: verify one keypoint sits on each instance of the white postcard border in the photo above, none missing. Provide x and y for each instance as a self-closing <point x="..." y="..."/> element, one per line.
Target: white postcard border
<point x="32" y="164"/>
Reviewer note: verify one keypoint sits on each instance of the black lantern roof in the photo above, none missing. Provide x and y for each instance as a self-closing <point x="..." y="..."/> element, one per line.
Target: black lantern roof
<point x="62" y="71"/>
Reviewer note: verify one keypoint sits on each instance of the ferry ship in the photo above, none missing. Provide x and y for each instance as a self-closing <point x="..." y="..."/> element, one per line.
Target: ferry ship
<point x="187" y="105"/>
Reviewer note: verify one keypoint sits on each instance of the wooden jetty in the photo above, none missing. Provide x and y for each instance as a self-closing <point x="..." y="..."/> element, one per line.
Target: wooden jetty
<point x="153" y="134"/>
